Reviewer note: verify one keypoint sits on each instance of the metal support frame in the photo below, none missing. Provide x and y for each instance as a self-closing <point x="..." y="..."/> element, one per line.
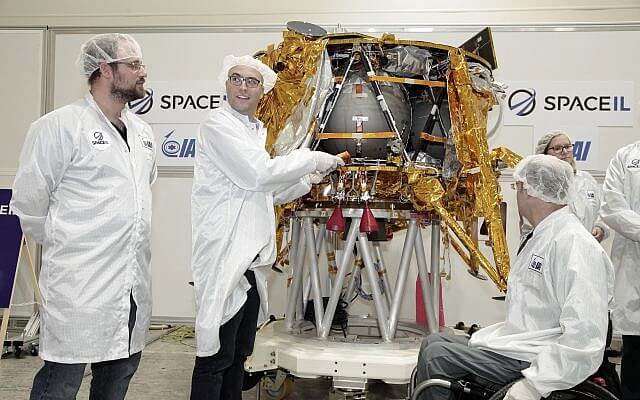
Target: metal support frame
<point x="423" y="274"/>
<point x="307" y="242"/>
<point x="382" y="312"/>
<point x="337" y="89"/>
<point x="336" y="291"/>
<point x="314" y="272"/>
<point x="403" y="270"/>
<point x="297" y="244"/>
<point x="383" y="103"/>
<point x="319" y="245"/>
<point x="435" y="271"/>
<point x="384" y="276"/>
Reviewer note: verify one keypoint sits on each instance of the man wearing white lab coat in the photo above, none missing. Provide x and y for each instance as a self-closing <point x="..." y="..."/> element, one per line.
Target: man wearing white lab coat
<point x="235" y="187"/>
<point x="83" y="191"/>
<point x="557" y="296"/>
<point x="621" y="211"/>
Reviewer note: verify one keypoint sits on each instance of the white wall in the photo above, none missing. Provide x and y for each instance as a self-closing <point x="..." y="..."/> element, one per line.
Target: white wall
<point x="20" y="103"/>
<point x="251" y="12"/>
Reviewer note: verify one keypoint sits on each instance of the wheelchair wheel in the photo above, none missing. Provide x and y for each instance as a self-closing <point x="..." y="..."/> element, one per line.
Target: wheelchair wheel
<point x="587" y="390"/>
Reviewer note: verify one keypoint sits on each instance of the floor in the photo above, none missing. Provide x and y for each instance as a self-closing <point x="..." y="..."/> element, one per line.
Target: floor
<point x="165" y="373"/>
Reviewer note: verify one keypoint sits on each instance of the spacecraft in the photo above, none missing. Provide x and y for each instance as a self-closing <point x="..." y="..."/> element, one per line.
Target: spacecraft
<point x="413" y="116"/>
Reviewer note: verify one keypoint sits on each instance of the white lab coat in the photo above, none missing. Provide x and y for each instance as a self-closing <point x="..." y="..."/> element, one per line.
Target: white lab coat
<point x="86" y="199"/>
<point x="235" y="186"/>
<point x="621" y="211"/>
<point x="556" y="305"/>
<point x="585" y="204"/>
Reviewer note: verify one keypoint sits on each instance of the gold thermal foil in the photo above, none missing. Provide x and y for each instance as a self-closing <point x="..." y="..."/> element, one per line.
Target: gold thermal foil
<point x="296" y="59"/>
<point x="459" y="200"/>
<point x="429" y="190"/>
<point x="388" y="183"/>
<point x="505" y="155"/>
<point x="459" y="249"/>
<point x="425" y="190"/>
<point x="469" y="109"/>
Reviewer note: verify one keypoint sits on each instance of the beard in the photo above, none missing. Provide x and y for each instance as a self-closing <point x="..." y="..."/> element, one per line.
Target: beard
<point x="126" y="95"/>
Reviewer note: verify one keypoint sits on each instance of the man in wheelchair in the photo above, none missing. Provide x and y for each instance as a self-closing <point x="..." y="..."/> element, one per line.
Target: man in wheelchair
<point x="556" y="306"/>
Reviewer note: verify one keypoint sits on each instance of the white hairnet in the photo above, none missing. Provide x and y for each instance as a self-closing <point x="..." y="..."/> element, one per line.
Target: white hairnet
<point x="543" y="142"/>
<point x="268" y="76"/>
<point x="546" y="178"/>
<point x="106" y="48"/>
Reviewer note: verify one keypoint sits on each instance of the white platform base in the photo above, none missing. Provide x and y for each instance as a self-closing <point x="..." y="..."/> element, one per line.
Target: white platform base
<point x="362" y="355"/>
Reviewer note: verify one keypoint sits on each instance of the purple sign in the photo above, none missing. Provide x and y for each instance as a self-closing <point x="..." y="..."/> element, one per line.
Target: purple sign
<point x="10" y="240"/>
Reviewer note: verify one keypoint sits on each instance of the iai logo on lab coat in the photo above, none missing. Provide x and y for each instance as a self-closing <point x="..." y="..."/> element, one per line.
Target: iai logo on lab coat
<point x="99" y="142"/>
<point x="146" y="143"/>
<point x="536" y="263"/>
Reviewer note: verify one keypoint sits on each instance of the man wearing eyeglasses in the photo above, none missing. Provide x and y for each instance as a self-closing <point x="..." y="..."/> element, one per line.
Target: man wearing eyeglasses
<point x="235" y="186"/>
<point x="83" y="191"/>
<point x="553" y="335"/>
<point x="588" y="193"/>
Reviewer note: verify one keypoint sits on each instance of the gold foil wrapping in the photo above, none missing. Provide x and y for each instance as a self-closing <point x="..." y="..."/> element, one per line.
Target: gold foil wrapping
<point x="429" y="191"/>
<point x="459" y="201"/>
<point x="296" y="59"/>
<point x="388" y="183"/>
<point x="469" y="108"/>
<point x="505" y="155"/>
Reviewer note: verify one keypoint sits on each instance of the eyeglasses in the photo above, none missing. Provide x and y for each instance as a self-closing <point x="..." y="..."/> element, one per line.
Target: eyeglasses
<point x="134" y="65"/>
<point x="514" y="186"/>
<point x="236" y="80"/>
<point x="561" y="147"/>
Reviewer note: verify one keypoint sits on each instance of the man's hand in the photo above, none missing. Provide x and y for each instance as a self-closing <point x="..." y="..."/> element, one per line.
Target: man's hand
<point x="346" y="157"/>
<point x="522" y="390"/>
<point x="325" y="162"/>
<point x="598" y="233"/>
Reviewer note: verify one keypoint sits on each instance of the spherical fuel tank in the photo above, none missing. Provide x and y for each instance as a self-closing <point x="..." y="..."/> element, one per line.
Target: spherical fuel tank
<point x="358" y="111"/>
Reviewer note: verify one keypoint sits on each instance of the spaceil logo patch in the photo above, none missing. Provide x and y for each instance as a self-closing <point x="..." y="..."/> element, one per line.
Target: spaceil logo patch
<point x="99" y="142"/>
<point x="633" y="164"/>
<point x="174" y="148"/>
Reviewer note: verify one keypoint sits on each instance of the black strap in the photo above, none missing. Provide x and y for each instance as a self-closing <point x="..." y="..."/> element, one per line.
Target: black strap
<point x="524" y="242"/>
<point x="132" y="317"/>
<point x="123" y="133"/>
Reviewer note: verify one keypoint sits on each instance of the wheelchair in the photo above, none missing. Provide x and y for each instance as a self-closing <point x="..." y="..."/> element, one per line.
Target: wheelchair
<point x="604" y="384"/>
<point x="471" y="390"/>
